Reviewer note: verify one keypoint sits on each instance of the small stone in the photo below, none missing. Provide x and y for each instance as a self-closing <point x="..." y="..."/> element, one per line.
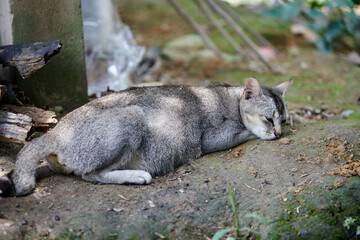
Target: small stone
<point x="181" y="190"/>
<point x="353" y="58"/>
<point x="1" y="169"/>
<point x="309" y="108"/>
<point x="317" y="110"/>
<point x="303" y="65"/>
<point x="151" y="204"/>
<point x="57" y="218"/>
<point x="307" y="216"/>
<point x="24" y="222"/>
<point x="346" y="114"/>
<point x="285" y="199"/>
<point x="116" y="209"/>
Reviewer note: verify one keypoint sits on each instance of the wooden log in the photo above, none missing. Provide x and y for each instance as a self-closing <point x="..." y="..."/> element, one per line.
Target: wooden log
<point x="43" y="119"/>
<point x="28" y="57"/>
<point x="15" y="126"/>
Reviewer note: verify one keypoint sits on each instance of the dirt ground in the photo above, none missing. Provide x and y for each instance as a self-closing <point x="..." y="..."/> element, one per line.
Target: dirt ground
<point x="292" y="182"/>
<point x="287" y="182"/>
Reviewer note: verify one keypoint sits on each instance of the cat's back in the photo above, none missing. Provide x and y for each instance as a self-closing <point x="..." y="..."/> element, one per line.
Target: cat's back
<point x="167" y="103"/>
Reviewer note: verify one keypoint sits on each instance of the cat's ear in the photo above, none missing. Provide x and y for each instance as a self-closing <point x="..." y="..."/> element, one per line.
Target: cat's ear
<point x="252" y="88"/>
<point x="284" y="86"/>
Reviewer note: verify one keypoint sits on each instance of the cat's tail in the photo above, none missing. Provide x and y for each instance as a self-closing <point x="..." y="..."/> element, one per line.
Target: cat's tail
<point x="21" y="180"/>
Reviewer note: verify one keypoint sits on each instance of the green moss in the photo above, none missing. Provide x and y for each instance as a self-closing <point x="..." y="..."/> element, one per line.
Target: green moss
<point x="355" y="115"/>
<point x="322" y="212"/>
<point x="71" y="235"/>
<point x="297" y="99"/>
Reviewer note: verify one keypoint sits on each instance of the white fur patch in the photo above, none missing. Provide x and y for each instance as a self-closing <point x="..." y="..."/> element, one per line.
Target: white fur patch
<point x="259" y="127"/>
<point x="165" y="122"/>
<point x="207" y="97"/>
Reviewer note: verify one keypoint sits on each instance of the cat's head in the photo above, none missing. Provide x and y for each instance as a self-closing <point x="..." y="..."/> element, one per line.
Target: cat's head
<point x="263" y="109"/>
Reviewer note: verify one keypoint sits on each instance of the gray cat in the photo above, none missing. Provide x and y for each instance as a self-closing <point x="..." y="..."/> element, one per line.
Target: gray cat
<point x="127" y="137"/>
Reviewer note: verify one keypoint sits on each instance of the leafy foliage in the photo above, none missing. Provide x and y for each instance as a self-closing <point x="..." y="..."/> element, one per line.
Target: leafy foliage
<point x="331" y="20"/>
<point x="352" y="221"/>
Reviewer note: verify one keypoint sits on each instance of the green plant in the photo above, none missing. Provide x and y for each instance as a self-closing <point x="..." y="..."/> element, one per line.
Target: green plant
<point x="233" y="206"/>
<point x="223" y="232"/>
<point x="112" y="236"/>
<point x="351" y="221"/>
<point x="332" y="20"/>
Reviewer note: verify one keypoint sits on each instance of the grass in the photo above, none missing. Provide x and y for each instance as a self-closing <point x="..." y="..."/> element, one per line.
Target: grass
<point x="221" y="233"/>
<point x="234" y="209"/>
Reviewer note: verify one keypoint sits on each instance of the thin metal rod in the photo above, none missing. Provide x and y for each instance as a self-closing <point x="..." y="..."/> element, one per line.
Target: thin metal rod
<point x="196" y="27"/>
<point x="239" y="32"/>
<point x="206" y="11"/>
<point x="237" y="18"/>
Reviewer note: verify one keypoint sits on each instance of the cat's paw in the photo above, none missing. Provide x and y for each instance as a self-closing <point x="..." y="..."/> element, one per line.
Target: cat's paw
<point x="133" y="177"/>
<point x="141" y="177"/>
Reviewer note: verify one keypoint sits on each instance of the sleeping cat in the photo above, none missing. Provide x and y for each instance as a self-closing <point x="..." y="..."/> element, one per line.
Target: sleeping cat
<point x="127" y="137"/>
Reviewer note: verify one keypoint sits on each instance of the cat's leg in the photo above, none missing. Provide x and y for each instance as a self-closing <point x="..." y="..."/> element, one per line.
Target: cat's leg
<point x="119" y="177"/>
<point x="228" y="135"/>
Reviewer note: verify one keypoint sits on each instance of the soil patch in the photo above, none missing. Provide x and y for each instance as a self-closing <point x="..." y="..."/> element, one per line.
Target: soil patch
<point x="267" y="177"/>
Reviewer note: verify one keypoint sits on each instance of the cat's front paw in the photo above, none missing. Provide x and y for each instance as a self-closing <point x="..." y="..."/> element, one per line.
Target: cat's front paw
<point x="141" y="177"/>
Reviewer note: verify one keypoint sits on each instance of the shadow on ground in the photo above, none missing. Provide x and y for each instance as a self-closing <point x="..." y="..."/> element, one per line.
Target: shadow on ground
<point x="285" y="181"/>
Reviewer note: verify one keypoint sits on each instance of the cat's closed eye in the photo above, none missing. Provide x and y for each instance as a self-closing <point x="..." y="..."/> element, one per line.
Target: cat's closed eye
<point x="270" y="120"/>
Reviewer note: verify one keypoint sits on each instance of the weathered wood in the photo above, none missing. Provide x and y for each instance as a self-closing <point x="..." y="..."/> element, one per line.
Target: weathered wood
<point x="2" y="91"/>
<point x="28" y="57"/>
<point x="43" y="119"/>
<point x="15" y="126"/>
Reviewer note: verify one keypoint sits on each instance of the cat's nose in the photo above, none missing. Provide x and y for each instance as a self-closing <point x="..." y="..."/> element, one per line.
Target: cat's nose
<point x="277" y="135"/>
